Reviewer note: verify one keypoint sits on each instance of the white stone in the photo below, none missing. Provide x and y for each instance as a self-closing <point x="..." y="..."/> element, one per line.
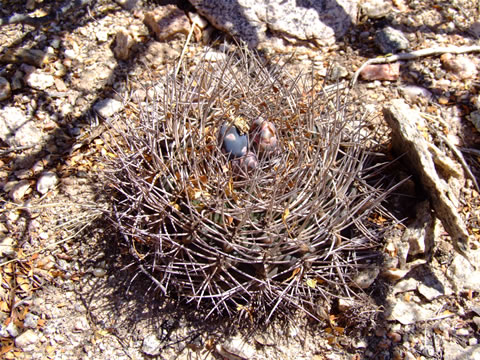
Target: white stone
<point x="12" y="329"/>
<point x="102" y="36"/>
<point x="98" y="272"/>
<point x="46" y="182"/>
<point x="462" y="332"/>
<point x="250" y="20"/>
<point x="16" y="129"/>
<point x="82" y="324"/>
<point x="31" y="321"/>
<point x="29" y="337"/>
<point x="5" y="90"/>
<point x="39" y="80"/>
<point x="151" y="345"/>
<point x="108" y="107"/>
<point x="408" y="313"/>
<point x="214" y="56"/>
<point x="414" y="93"/>
<point x="7" y="247"/>
<point x="70" y="54"/>
<point x="376" y="9"/>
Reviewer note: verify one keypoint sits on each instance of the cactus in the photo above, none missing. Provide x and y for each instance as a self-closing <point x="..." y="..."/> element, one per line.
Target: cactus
<point x="274" y="228"/>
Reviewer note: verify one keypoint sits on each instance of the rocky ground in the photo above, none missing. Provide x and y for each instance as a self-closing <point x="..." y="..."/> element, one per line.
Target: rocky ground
<point x="66" y="287"/>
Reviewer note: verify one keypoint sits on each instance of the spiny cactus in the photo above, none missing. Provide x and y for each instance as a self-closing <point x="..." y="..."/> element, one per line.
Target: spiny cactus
<point x="274" y="225"/>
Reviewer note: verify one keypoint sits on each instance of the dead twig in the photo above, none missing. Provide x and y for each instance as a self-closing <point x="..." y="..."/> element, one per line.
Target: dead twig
<point x="414" y="55"/>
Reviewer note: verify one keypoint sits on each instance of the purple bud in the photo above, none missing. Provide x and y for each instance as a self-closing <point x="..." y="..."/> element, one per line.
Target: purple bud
<point x="264" y="136"/>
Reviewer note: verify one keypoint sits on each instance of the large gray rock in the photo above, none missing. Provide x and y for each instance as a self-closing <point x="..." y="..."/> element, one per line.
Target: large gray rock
<point x="320" y="21"/>
<point x="16" y="129"/>
<point x="437" y="173"/>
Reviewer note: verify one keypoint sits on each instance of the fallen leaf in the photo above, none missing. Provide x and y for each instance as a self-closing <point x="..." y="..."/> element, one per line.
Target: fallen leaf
<point x="294" y="273"/>
<point x="312" y="283"/>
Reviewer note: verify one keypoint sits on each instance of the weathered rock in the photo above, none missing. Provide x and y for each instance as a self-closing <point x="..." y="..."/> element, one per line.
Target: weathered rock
<point x="108" y="107"/>
<point x="461" y="66"/>
<point x="424" y="159"/>
<point x="19" y="190"/>
<point x="167" y="21"/>
<point x="236" y="347"/>
<point x="376" y="9"/>
<point x="31" y="321"/>
<point x="413" y="92"/>
<point x="81" y="324"/>
<point x="102" y="36"/>
<point x="46" y="182"/>
<point x="366" y="277"/>
<point x="5" y="90"/>
<point x="151" y="345"/>
<point x="475" y="29"/>
<point x="161" y="53"/>
<point x="123" y="44"/>
<point x="99" y="272"/>
<point x="405" y="285"/>
<point x="39" y="80"/>
<point x="321" y="21"/>
<point x="454" y="351"/>
<point x="381" y="72"/>
<point x="29" y="337"/>
<point x="17" y="80"/>
<point x="12" y="329"/>
<point x="338" y="72"/>
<point x="127" y="4"/>
<point x="32" y="57"/>
<point x="408" y="313"/>
<point x="390" y="40"/>
<point x="475" y="119"/>
<point x="16" y="129"/>
<point x="430" y="292"/>
<point x="462" y="274"/>
<point x="7" y="247"/>
<point x="419" y="235"/>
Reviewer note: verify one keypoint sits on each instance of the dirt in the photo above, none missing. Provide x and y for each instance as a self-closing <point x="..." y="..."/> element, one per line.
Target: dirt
<point x="70" y="288"/>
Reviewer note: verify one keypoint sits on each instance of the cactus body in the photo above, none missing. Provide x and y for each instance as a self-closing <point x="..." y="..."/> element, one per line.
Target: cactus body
<point x="292" y="229"/>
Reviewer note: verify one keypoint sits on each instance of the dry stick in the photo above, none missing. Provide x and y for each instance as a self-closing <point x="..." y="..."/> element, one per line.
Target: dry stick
<point x="461" y="159"/>
<point x="185" y="47"/>
<point x="414" y="55"/>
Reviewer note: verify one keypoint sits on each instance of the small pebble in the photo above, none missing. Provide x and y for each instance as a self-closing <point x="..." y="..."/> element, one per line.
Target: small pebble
<point x="46" y="182"/>
<point x="19" y="190"/>
<point x="108" y="107"/>
<point x="461" y="66"/>
<point x="39" y="80"/>
<point x="381" y="72"/>
<point x="82" y="324"/>
<point x="151" y="345"/>
<point x="462" y="332"/>
<point x="29" y="337"/>
<point x="391" y="40"/>
<point x="376" y="9"/>
<point x="31" y="321"/>
<point x="98" y="272"/>
<point x="12" y="329"/>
